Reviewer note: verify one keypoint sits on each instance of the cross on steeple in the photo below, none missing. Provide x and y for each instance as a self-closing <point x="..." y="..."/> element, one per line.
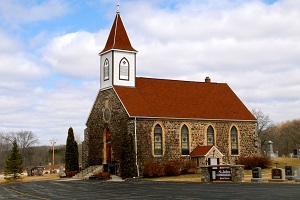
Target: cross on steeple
<point x="118" y="8"/>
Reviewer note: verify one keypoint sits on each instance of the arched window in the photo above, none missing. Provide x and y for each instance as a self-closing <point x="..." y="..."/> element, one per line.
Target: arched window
<point x="158" y="140"/>
<point x="185" y="141"/>
<point x="210" y="136"/>
<point x="234" y="141"/>
<point x="124" y="69"/>
<point x="106" y="69"/>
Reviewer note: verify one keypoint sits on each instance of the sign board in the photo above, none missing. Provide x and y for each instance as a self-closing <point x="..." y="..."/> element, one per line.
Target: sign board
<point x="223" y="174"/>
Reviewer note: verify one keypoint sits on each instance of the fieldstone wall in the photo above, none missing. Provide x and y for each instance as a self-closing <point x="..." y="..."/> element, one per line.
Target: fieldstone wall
<point x="197" y="134"/>
<point x="119" y="124"/>
<point x="97" y="126"/>
<point x="237" y="172"/>
<point x="85" y="149"/>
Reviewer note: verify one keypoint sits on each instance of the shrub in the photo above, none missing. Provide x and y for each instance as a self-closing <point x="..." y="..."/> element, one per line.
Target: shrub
<point x="71" y="173"/>
<point x="255" y="161"/>
<point x="153" y="169"/>
<point x="172" y="168"/>
<point x="128" y="166"/>
<point x="188" y="166"/>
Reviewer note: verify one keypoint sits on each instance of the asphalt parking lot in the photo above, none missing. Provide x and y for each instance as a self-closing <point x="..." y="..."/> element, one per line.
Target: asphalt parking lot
<point x="139" y="189"/>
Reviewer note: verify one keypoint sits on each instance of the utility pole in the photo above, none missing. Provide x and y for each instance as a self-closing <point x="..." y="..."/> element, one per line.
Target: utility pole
<point x="53" y="141"/>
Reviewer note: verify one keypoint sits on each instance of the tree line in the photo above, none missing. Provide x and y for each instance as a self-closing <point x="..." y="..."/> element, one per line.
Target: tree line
<point x="32" y="154"/>
<point x="285" y="136"/>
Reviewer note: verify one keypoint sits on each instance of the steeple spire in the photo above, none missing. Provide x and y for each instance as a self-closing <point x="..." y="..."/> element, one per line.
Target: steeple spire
<point x="118" y="58"/>
<point x="118" y="38"/>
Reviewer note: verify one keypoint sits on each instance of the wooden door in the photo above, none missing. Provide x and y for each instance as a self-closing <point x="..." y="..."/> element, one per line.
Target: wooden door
<point x="108" y="147"/>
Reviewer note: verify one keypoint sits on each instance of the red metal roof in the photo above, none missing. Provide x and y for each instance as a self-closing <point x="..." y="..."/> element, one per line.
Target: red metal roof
<point x="118" y="38"/>
<point x="200" y="151"/>
<point x="160" y="98"/>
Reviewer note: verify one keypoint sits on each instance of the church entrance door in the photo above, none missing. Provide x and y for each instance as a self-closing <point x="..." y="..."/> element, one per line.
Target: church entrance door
<point x="108" y="147"/>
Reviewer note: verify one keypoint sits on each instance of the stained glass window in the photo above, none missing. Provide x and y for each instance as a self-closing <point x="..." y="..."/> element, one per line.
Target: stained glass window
<point x="234" y="141"/>
<point x="184" y="140"/>
<point x="158" y="140"/>
<point x="210" y="136"/>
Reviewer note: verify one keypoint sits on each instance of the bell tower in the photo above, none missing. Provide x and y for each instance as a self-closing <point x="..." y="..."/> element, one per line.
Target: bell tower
<point x="118" y="58"/>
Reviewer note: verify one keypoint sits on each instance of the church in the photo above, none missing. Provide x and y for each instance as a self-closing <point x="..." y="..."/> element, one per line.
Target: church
<point x="169" y="119"/>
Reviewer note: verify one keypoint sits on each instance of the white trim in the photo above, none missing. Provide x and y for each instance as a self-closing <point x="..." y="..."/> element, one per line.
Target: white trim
<point x="136" y="150"/>
<point x="214" y="147"/>
<point x="117" y="50"/>
<point x="106" y="88"/>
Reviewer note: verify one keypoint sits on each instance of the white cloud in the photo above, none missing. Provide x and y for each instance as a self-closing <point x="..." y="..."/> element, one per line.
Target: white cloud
<point x="75" y="54"/>
<point x="52" y="111"/>
<point x="252" y="46"/>
<point x="29" y="11"/>
<point x="17" y="64"/>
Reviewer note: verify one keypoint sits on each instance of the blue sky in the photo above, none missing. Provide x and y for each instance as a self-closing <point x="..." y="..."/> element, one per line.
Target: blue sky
<point x="49" y="69"/>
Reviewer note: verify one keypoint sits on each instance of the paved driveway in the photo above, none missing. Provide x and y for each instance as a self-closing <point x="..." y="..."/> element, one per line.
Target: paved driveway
<point x="95" y="189"/>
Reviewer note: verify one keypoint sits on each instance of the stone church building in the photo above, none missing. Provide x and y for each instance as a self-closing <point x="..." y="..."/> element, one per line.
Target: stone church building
<point x="169" y="119"/>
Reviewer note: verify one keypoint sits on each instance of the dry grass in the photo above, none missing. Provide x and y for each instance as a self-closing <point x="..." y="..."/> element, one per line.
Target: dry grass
<point x="31" y="178"/>
<point x="282" y="162"/>
<point x="181" y="178"/>
<point x="266" y="174"/>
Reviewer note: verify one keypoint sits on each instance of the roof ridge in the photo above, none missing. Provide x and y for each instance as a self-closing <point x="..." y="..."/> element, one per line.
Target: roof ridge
<point x="189" y="81"/>
<point x="115" y="29"/>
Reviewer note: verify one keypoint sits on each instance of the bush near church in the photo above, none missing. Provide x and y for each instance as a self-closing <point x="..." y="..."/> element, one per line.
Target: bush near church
<point x="153" y="169"/>
<point x="171" y="168"/>
<point x="255" y="161"/>
<point x="128" y="163"/>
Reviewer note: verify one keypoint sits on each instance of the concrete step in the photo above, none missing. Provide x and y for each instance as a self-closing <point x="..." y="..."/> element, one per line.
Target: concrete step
<point x="115" y="178"/>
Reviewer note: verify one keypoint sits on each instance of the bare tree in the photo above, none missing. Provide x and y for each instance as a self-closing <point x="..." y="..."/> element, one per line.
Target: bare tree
<point x="5" y="147"/>
<point x="25" y="140"/>
<point x="292" y="129"/>
<point x="264" y="127"/>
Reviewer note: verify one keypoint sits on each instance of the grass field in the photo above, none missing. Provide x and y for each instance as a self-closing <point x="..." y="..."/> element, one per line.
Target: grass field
<point x="281" y="163"/>
<point x="266" y="174"/>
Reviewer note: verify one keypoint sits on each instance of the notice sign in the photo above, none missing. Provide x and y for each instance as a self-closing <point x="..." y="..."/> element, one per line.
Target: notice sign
<point x="224" y="174"/>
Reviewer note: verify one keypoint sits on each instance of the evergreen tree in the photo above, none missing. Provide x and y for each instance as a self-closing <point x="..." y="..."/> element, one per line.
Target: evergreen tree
<point x="128" y="165"/>
<point x="14" y="162"/>
<point x="72" y="164"/>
